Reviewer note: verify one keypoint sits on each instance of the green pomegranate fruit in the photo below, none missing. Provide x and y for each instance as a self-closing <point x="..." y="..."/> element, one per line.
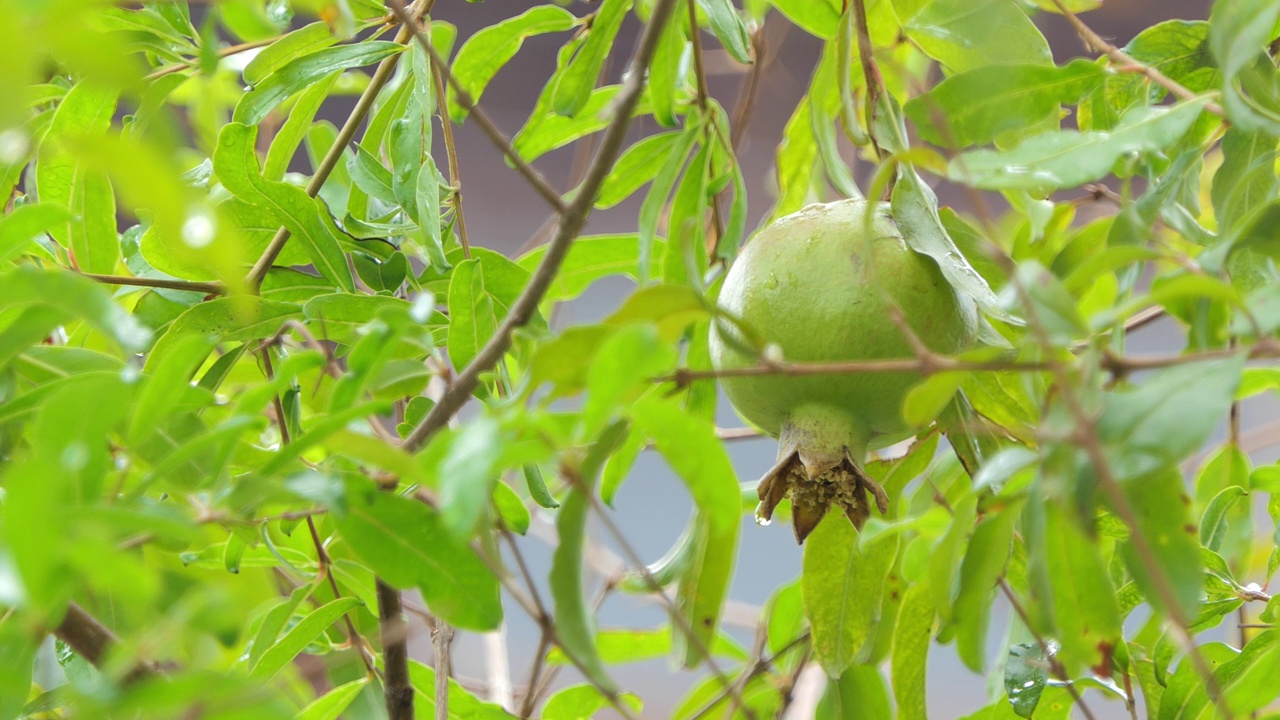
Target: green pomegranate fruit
<point x="821" y="285"/>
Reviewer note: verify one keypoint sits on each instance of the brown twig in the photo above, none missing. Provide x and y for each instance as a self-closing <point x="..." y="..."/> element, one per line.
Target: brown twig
<point x="451" y="153"/>
<point x="94" y="641"/>
<point x="572" y="220"/>
<point x="441" y="638"/>
<point x="397" y="689"/>
<point x="322" y="556"/>
<point x="1055" y="665"/>
<point x="678" y="621"/>
<point x="870" y="72"/>
<point x="1093" y="41"/>
<point x="931" y="364"/>
<point x="223" y="53"/>
<point x="1086" y="437"/>
<point x="376" y="82"/>
<point x="535" y="673"/>
<point x="531" y="603"/>
<point x="746" y="100"/>
<point x="207" y="288"/>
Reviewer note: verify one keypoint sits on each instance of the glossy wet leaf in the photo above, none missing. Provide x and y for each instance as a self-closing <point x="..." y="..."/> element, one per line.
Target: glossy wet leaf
<point x="300" y="72"/>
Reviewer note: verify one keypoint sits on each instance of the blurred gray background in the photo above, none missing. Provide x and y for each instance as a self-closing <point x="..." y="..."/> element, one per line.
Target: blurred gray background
<point x="504" y="214"/>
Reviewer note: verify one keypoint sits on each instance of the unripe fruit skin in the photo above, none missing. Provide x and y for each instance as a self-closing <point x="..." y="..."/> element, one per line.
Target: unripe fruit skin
<point x="821" y="285"/>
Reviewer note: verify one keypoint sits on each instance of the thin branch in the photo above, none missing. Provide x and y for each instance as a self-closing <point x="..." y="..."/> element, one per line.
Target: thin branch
<point x="1055" y="665"/>
<point x="94" y="641"/>
<point x="870" y="72"/>
<point x="1093" y="41"/>
<point x="931" y="364"/>
<point x="322" y="556"/>
<point x="441" y="637"/>
<point x="535" y="673"/>
<point x="207" y="288"/>
<point x="397" y="689"/>
<point x="571" y="222"/>
<point x="678" y="621"/>
<point x="532" y="604"/>
<point x="746" y="101"/>
<point x="379" y="78"/>
<point x="1086" y="437"/>
<point x="326" y="565"/>
<point x="223" y="53"/>
<point x="451" y="152"/>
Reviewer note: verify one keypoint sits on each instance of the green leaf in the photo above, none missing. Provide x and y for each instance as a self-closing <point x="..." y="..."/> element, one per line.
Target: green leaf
<point x="405" y="543"/>
<point x="295" y="127"/>
<point x="575" y="622"/>
<point x="915" y="209"/>
<point x="1145" y="430"/>
<point x="486" y="52"/>
<point x="370" y="175"/>
<point x="797" y="160"/>
<point x="986" y="103"/>
<point x="983" y="567"/>
<point x="86" y="111"/>
<point x="1069" y="574"/>
<point x="582" y="702"/>
<point x="816" y="17"/>
<point x="299" y="43"/>
<point x="703" y="586"/>
<point x="690" y="446"/>
<point x="576" y="82"/>
<point x="1239" y="31"/>
<point x="24" y="224"/>
<point x="19" y="648"/>
<point x="222" y="320"/>
<point x="462" y="704"/>
<point x="300" y="636"/>
<point x="728" y="27"/>
<point x="466" y="474"/>
<point x="92" y="230"/>
<point x="621" y="370"/>
<point x="637" y="166"/>
<point x="306" y="218"/>
<point x="1026" y="672"/>
<point x="274" y="621"/>
<point x="1226" y="525"/>
<point x="1179" y="50"/>
<point x="72" y="296"/>
<point x="481" y="293"/>
<point x="332" y="704"/>
<point x="301" y="72"/>
<point x="1164" y="520"/>
<point x="1069" y="158"/>
<point x="668" y="75"/>
<point x="911" y="652"/>
<point x="842" y="586"/>
<point x="1247" y="682"/>
<point x="656" y="200"/>
<point x="1246" y="180"/>
<point x="590" y="258"/>
<point x="858" y="694"/>
<point x="548" y="130"/>
<point x="965" y="34"/>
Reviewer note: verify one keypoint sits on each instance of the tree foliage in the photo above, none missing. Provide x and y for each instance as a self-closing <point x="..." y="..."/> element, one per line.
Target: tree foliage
<point x="229" y="392"/>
